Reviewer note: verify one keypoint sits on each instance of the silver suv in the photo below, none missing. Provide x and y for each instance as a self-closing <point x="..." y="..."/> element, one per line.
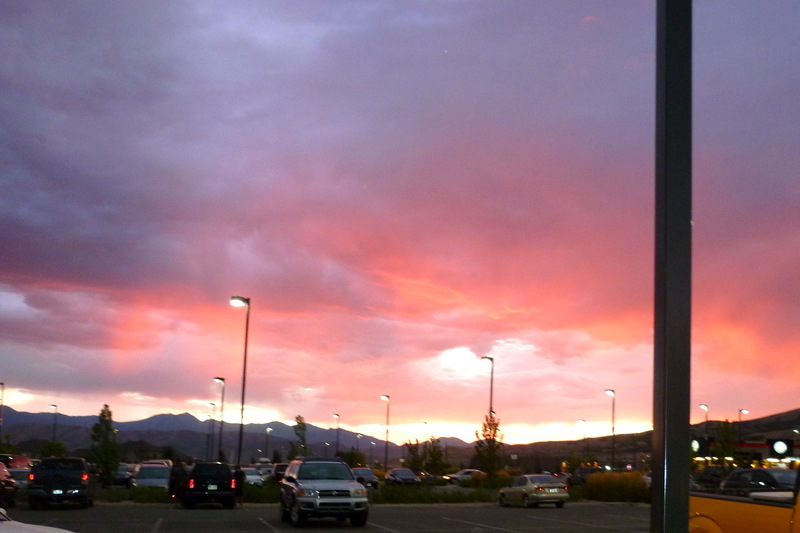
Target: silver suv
<point x="317" y="488"/>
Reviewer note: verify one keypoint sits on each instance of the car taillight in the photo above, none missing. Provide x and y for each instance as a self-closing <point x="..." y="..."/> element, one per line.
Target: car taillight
<point x="30" y="476"/>
<point x="84" y="477"/>
<point x="191" y="483"/>
<point x="233" y="483"/>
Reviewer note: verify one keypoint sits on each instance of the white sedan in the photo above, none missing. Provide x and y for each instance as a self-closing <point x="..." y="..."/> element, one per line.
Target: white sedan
<point x="463" y="475"/>
<point x="12" y="526"/>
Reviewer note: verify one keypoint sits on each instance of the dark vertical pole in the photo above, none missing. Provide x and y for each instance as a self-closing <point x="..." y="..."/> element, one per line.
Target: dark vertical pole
<point x="244" y="381"/>
<point x="673" y="261"/>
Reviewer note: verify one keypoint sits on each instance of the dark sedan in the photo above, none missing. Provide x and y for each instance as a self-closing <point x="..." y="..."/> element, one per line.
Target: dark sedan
<point x="402" y="476"/>
<point x="745" y="481"/>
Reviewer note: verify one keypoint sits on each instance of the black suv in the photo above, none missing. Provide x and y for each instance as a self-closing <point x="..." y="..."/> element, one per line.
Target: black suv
<point x="315" y="487"/>
<point x="210" y="482"/>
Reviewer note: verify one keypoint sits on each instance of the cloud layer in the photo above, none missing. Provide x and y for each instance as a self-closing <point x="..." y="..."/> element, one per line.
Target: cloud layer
<point x="400" y="188"/>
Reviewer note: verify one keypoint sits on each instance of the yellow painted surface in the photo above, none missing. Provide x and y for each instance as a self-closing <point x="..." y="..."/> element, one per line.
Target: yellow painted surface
<point x="740" y="515"/>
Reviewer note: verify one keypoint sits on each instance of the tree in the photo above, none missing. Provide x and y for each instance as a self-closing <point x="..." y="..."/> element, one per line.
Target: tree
<point x="300" y="431"/>
<point x="105" y="447"/>
<point x="416" y="459"/>
<point x="725" y="445"/>
<point x="489" y="446"/>
<point x="434" y="457"/>
<point x="53" y="449"/>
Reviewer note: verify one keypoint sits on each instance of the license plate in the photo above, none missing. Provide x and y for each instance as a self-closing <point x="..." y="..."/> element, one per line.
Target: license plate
<point x="553" y="490"/>
<point x="212" y="487"/>
<point x="58" y="491"/>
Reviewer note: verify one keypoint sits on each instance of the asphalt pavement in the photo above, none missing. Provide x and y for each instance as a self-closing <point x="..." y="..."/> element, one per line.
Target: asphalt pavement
<point x="576" y="517"/>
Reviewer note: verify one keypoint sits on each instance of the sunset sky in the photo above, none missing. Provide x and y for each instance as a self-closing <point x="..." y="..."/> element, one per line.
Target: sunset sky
<point x="400" y="187"/>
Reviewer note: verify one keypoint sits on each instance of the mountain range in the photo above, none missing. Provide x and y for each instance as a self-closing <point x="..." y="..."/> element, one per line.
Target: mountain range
<point x="193" y="437"/>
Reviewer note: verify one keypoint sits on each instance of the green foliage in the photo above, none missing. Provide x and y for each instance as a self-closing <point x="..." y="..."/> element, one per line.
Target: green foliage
<point x="415" y="458"/>
<point x="6" y="446"/>
<point x="105" y="448"/>
<point x="352" y="458"/>
<point x="725" y="444"/>
<point x="616" y="487"/>
<point x="489" y="446"/>
<point x="434" y="457"/>
<point x="300" y="432"/>
<point x="53" y="449"/>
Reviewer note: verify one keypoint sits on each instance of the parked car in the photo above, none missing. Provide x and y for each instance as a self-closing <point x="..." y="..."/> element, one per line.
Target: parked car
<point x="61" y="479"/>
<point x="366" y="477"/>
<point x="278" y="470"/>
<point x="743" y="482"/>
<point x="463" y="475"/>
<point x="712" y="475"/>
<point x="153" y="475"/>
<point x="533" y="489"/>
<point x="210" y="483"/>
<point x="124" y="476"/>
<point x="252" y="476"/>
<point x="8" y="488"/>
<point x="581" y="473"/>
<point x="20" y="475"/>
<point x="12" y="526"/>
<point x="318" y="488"/>
<point x="401" y="476"/>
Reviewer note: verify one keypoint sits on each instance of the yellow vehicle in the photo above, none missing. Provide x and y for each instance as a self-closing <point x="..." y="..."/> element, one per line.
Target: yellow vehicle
<point x="762" y="508"/>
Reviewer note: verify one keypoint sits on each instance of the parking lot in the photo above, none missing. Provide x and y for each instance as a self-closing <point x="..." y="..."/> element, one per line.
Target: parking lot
<point x="578" y="517"/>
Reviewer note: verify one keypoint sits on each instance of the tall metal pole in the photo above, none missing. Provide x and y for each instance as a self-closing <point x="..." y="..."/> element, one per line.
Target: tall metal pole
<point x="613" y="394"/>
<point x="239" y="301"/>
<point x="2" y="403"/>
<point x="54" y="407"/>
<point x="221" y="416"/>
<point x="669" y="511"/>
<point x="386" y="398"/>
<point x="491" y="386"/>
<point x="336" y="416"/>
<point x="704" y="407"/>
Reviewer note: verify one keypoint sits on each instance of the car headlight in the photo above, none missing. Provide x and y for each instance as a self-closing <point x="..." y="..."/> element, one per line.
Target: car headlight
<point x="359" y="492"/>
<point x="308" y="493"/>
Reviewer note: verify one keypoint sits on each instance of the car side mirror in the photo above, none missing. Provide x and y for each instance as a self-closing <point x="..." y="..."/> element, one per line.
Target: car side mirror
<point x="290" y="479"/>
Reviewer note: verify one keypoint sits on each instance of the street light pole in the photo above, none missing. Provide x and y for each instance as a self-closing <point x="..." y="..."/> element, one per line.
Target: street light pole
<point x="211" y="424"/>
<point x="385" y="398"/>
<point x="221" y="417"/>
<point x="54" y="407"/>
<point x="704" y="407"/>
<point x="491" y="385"/>
<point x="240" y="301"/>
<point x="741" y="411"/>
<point x="336" y="416"/>
<point x="266" y="447"/>
<point x="2" y="403"/>
<point x="613" y="394"/>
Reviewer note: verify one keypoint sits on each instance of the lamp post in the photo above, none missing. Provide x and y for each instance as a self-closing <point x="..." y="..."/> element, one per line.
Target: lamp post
<point x="358" y="440"/>
<point x="741" y="412"/>
<point x="491" y="385"/>
<point x="371" y="448"/>
<point x="240" y="301"/>
<point x="54" y="407"/>
<point x="385" y="398"/>
<point x="613" y="394"/>
<point x="2" y="402"/>
<point x="336" y="416"/>
<point x="211" y="423"/>
<point x="221" y="381"/>
<point x="704" y="407"/>
<point x="266" y="443"/>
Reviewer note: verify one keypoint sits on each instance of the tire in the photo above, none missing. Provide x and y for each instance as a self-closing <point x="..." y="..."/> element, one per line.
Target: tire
<point x="526" y="502"/>
<point x="84" y="503"/>
<point x="33" y="504"/>
<point x="359" y="519"/>
<point x="296" y="516"/>
<point x="230" y="503"/>
<point x="285" y="515"/>
<point x="503" y="502"/>
<point x="560" y="505"/>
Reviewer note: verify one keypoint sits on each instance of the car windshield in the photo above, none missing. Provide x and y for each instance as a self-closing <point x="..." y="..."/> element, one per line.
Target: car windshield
<point x="538" y="480"/>
<point x="399" y="472"/>
<point x="61" y="464"/>
<point x="325" y="471"/>
<point x="785" y="477"/>
<point x="154" y="472"/>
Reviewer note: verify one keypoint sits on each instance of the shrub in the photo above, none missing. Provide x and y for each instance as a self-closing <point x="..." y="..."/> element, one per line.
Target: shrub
<point x="616" y="487"/>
